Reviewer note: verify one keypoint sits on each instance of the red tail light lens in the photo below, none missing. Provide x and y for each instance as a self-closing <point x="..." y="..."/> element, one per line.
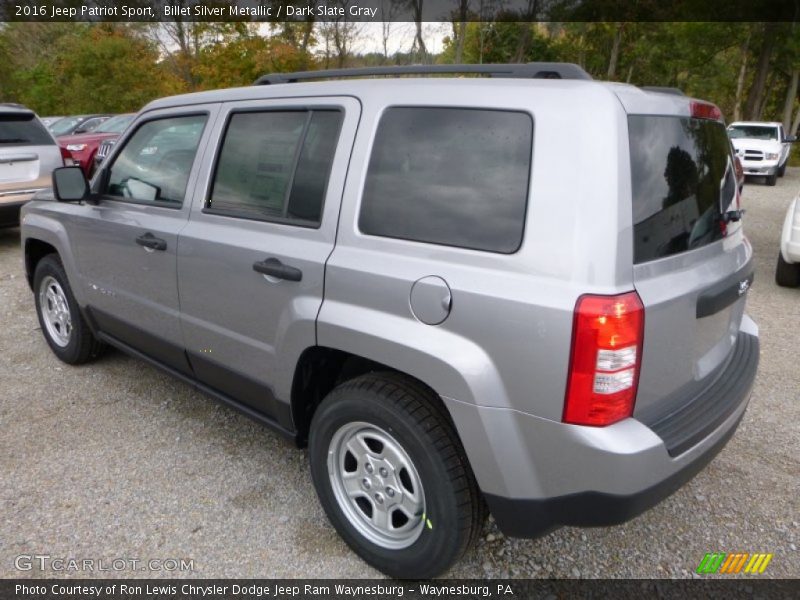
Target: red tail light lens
<point x="606" y="356"/>
<point x="705" y="110"/>
<point x="66" y="157"/>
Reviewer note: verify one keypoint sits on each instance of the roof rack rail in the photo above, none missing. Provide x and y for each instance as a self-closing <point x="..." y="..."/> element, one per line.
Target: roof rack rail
<point x="534" y="70"/>
<point x="663" y="90"/>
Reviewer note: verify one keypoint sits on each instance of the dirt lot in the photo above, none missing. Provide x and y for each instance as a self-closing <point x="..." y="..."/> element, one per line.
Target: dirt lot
<point x="118" y="461"/>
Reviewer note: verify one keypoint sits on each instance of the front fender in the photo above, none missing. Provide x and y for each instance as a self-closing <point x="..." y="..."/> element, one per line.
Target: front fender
<point x="37" y="224"/>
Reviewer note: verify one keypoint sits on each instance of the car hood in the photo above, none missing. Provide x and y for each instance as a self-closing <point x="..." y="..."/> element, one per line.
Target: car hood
<point x="85" y="138"/>
<point x="762" y="145"/>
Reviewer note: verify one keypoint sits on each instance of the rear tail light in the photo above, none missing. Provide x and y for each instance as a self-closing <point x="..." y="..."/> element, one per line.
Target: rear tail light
<point x="605" y="359"/>
<point x="706" y="110"/>
<point x="66" y="157"/>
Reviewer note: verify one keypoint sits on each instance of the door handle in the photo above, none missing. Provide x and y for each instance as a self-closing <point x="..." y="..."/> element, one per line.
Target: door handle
<point x="275" y="268"/>
<point x="148" y="240"/>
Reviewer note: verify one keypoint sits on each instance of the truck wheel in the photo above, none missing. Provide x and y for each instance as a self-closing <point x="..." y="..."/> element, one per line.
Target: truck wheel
<point x="772" y="179"/>
<point x="60" y="318"/>
<point x="782" y="170"/>
<point x="787" y="274"/>
<point x="392" y="476"/>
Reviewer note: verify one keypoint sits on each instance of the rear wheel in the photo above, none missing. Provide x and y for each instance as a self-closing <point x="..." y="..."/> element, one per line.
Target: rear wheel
<point x="787" y="274"/>
<point x="62" y="323"/>
<point x="392" y="476"/>
<point x="772" y="179"/>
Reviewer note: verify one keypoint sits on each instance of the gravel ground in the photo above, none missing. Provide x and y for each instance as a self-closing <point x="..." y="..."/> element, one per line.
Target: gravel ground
<point x="116" y="460"/>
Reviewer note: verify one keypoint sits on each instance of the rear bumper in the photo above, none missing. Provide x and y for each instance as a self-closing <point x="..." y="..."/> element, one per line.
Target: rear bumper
<point x="537" y="474"/>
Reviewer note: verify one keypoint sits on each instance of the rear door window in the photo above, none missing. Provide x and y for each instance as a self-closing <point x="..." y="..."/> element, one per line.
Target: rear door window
<point x="21" y="129"/>
<point x="683" y="181"/>
<point x="450" y="176"/>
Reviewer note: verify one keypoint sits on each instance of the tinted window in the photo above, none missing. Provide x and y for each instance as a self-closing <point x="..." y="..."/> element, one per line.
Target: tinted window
<point x="456" y="177"/>
<point x="155" y="163"/>
<point x="275" y="165"/>
<point x="683" y="179"/>
<point x="23" y="129"/>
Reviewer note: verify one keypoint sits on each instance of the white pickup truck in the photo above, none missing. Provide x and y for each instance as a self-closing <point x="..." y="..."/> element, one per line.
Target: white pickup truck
<point x="763" y="148"/>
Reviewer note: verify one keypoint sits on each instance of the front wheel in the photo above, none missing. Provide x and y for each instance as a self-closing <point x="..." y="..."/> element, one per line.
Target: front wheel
<point x="782" y="170"/>
<point x="63" y="326"/>
<point x="392" y="476"/>
<point x="772" y="179"/>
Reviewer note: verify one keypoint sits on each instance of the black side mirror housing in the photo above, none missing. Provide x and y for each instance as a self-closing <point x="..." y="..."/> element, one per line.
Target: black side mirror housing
<point x="69" y="184"/>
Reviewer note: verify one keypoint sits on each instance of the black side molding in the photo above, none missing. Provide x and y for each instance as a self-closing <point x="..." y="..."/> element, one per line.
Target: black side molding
<point x="726" y="292"/>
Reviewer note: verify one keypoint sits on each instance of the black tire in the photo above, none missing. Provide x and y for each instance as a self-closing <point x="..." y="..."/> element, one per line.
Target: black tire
<point x="771" y="179"/>
<point x="787" y="274"/>
<point x="82" y="345"/>
<point x="782" y="170"/>
<point x="413" y="416"/>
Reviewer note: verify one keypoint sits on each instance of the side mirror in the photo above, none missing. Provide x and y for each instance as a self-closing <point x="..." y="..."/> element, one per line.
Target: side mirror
<point x="69" y="184"/>
<point x="790" y="138"/>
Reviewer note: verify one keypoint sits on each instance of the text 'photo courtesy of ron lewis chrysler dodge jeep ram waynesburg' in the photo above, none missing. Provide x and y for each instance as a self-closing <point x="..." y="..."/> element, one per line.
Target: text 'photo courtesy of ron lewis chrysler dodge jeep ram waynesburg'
<point x="404" y="275"/>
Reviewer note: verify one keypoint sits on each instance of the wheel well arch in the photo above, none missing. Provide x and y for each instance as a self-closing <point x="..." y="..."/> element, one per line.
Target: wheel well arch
<point x="35" y="250"/>
<point x="320" y="369"/>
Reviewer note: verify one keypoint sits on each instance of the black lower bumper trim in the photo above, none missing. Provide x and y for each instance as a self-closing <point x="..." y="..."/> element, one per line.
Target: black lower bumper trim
<point x="533" y="518"/>
<point x="9" y="213"/>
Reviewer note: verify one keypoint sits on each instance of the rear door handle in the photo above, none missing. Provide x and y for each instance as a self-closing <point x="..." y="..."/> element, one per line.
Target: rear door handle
<point x="148" y="240"/>
<point x="275" y="268"/>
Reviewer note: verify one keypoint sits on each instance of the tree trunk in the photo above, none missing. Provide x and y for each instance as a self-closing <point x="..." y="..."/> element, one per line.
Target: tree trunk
<point x="754" y="98"/>
<point x="524" y="43"/>
<point x="461" y="31"/>
<point x="764" y="97"/>
<point x="795" y="124"/>
<point x="612" y="63"/>
<point x="737" y="104"/>
<point x="630" y="74"/>
<point x="419" y="42"/>
<point x="791" y="95"/>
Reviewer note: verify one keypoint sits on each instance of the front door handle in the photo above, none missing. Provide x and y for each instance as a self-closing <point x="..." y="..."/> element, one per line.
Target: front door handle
<point x="275" y="268"/>
<point x="148" y="240"/>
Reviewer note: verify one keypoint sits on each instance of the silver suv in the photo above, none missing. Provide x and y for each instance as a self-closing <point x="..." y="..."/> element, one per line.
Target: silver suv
<point x="522" y="293"/>
<point x="28" y="155"/>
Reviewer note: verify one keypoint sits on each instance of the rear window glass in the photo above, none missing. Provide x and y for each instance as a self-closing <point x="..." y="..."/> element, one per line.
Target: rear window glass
<point x="23" y="130"/>
<point x="456" y="177"/>
<point x="683" y="180"/>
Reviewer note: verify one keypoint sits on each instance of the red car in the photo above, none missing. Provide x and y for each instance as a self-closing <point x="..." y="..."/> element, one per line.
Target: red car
<point x="83" y="147"/>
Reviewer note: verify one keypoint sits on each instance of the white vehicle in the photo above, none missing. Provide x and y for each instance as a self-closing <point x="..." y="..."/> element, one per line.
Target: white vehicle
<point x="788" y="272"/>
<point x="763" y="148"/>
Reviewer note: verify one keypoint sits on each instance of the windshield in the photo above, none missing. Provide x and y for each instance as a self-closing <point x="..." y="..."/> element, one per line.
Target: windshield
<point x="114" y="124"/>
<point x="65" y="125"/>
<point x="753" y="132"/>
<point x="22" y="130"/>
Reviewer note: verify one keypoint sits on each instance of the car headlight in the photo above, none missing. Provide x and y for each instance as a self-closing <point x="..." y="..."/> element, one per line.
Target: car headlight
<point x="76" y="147"/>
<point x="771" y="155"/>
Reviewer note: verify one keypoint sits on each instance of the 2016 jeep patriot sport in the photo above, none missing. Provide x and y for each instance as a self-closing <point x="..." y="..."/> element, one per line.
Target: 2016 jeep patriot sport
<point x="524" y="293"/>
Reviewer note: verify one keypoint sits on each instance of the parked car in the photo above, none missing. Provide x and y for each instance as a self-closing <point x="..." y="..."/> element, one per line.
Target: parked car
<point x="763" y="148"/>
<point x="77" y="124"/>
<point x="48" y="121"/>
<point x="407" y="276"/>
<point x="788" y="271"/>
<point x="28" y="155"/>
<point x="84" y="146"/>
